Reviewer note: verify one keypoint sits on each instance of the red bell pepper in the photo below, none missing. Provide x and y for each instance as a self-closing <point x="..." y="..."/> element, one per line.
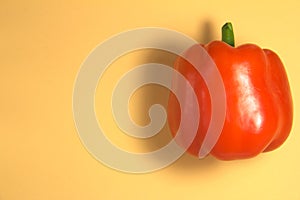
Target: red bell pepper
<point x="259" y="108"/>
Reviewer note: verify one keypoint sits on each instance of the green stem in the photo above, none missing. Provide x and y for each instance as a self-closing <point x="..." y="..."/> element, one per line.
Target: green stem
<point x="227" y="34"/>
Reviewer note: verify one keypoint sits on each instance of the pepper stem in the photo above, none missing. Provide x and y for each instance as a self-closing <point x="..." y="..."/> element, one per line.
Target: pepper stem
<point x="227" y="34"/>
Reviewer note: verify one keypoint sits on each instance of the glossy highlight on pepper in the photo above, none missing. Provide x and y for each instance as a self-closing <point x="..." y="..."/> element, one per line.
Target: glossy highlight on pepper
<point x="259" y="107"/>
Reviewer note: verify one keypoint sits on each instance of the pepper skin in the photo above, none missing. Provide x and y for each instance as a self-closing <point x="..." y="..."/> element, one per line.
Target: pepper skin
<point x="259" y="108"/>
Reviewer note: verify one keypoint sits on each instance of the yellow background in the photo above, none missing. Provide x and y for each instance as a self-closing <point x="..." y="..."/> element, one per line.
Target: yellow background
<point x="42" y="46"/>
